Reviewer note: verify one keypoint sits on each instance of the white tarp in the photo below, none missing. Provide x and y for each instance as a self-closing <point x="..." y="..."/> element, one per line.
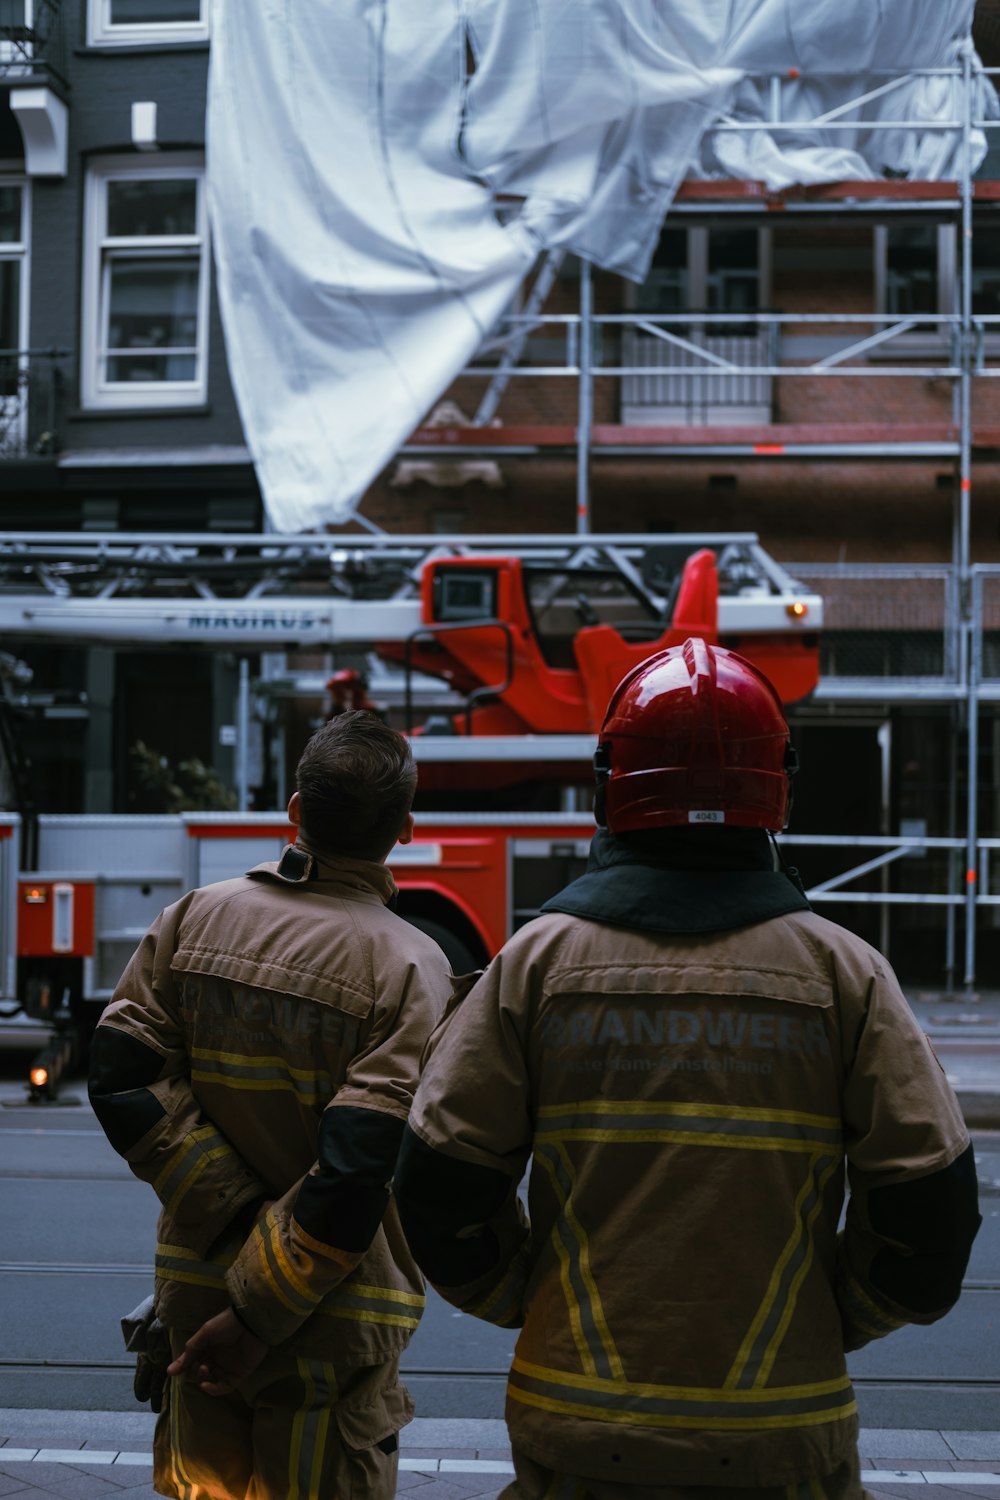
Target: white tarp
<point x="356" y="148"/>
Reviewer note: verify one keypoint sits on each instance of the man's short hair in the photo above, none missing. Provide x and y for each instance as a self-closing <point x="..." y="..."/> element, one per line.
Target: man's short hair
<point x="356" y="781"/>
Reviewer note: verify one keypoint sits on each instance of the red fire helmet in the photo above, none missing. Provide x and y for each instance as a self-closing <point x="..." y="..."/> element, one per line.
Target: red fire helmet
<point x="695" y="735"/>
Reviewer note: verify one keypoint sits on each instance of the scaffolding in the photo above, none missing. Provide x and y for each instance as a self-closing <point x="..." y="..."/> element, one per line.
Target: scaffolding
<point x="701" y="351"/>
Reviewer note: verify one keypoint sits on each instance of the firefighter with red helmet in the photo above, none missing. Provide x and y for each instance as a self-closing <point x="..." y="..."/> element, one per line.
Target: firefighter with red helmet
<point x="695" y="1064"/>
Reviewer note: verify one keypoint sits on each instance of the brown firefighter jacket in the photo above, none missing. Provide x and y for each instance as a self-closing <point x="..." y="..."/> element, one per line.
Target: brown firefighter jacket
<point x="689" y="1101"/>
<point x="263" y="1043"/>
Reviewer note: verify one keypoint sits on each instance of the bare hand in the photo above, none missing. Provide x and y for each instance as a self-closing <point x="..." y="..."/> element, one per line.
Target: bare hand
<point x="221" y="1354"/>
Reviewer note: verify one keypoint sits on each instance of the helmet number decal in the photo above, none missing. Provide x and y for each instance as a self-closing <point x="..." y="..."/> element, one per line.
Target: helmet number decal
<point x="716" y="816"/>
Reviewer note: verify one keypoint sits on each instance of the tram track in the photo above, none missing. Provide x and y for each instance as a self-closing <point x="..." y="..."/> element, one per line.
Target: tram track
<point x="110" y="1268"/>
<point x="456" y="1373"/>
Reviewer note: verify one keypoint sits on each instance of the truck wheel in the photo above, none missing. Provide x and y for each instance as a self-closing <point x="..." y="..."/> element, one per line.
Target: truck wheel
<point x="458" y="954"/>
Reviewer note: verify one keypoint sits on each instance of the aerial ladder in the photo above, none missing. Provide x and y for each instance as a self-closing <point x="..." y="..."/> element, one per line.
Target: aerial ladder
<point x="530" y="637"/>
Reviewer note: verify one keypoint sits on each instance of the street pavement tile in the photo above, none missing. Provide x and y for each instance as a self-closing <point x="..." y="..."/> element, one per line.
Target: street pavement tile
<point x="985" y="1445"/>
<point x="888" y="1449"/>
<point x="68" y="1482"/>
<point x="11" y="1485"/>
<point x="411" y="1480"/>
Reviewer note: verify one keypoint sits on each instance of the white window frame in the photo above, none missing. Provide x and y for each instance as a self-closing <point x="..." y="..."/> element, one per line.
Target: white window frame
<point x="103" y="32"/>
<point x="19" y="250"/>
<point x="922" y="341"/>
<point x="96" y="391"/>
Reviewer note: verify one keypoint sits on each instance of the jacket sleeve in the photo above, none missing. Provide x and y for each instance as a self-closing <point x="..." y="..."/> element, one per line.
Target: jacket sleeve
<point x="913" y="1210"/>
<point x="140" y="1089"/>
<point x="465" y="1151"/>
<point x="321" y="1229"/>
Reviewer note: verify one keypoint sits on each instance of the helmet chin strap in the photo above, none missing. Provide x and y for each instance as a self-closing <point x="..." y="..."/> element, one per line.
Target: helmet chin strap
<point x="789" y="870"/>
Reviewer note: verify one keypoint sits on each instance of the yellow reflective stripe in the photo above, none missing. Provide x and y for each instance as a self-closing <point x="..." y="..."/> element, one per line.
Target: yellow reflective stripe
<point x="384" y="1294"/>
<point x="344" y="1258"/>
<point x="181" y="1477"/>
<point x="799" y="1227"/>
<point x="191" y="1143"/>
<point x="310" y="1429"/>
<point x="572" y="1380"/>
<point x="816" y="1489"/>
<point x="682" y="1110"/>
<point x="863" y="1312"/>
<point x="675" y="1123"/>
<point x="792" y="1296"/>
<point x="366" y="1315"/>
<point x="298" y="1433"/>
<point x="254" y="1061"/>
<point x="285" y="1281"/>
<point x="586" y="1272"/>
<point x="504" y="1301"/>
<point x="679" y="1138"/>
<point x="565" y="1276"/>
<point x="187" y="1182"/>
<point x="751" y="1422"/>
<point x="646" y="1404"/>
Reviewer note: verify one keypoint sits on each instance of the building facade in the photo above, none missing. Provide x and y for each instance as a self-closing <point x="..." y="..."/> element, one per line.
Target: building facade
<point x="814" y="366"/>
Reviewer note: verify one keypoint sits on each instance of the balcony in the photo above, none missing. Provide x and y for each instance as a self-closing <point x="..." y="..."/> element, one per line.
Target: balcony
<point x="31" y="398"/>
<point x="33" y="77"/>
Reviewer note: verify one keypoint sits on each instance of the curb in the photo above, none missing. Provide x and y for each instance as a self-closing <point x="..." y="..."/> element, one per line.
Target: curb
<point x="980" y="1108"/>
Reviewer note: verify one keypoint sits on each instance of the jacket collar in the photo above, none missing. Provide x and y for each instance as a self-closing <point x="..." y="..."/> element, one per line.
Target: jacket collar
<point x="302" y="864"/>
<point x="690" y="883"/>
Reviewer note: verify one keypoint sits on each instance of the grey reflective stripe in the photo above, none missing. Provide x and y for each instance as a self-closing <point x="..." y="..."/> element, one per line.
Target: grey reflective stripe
<point x="248" y="1074"/>
<point x="311" y="1430"/>
<point x="618" y="1401"/>
<point x="278" y="1265"/>
<point x="172" y="1263"/>
<point x="863" y="1311"/>
<point x="754" y="1363"/>
<point x="373" y="1308"/>
<point x="739" y="1127"/>
<point x="584" y="1303"/>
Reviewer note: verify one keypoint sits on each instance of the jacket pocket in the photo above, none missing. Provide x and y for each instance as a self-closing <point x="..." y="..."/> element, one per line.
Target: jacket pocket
<point x="374" y="1409"/>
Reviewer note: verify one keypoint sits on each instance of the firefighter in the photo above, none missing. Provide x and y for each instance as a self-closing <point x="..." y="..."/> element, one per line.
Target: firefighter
<point x="256" y="1065"/>
<point x="690" y="1057"/>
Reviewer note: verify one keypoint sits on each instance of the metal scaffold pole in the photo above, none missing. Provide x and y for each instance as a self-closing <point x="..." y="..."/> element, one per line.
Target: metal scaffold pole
<point x="968" y="605"/>
<point x="585" y="408"/>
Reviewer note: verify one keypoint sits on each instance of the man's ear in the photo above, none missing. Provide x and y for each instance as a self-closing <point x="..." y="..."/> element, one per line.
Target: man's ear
<point x="294" y="811"/>
<point x="405" y="835"/>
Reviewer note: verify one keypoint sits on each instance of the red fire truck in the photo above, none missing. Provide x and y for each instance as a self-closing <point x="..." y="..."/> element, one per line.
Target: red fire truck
<point x="523" y="642"/>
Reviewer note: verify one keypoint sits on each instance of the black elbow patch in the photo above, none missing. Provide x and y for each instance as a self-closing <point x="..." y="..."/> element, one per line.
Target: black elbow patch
<point x="342" y="1204"/>
<point x="359" y="1144"/>
<point x="936" y="1219"/>
<point x="125" y="1118"/>
<point x="119" y="1061"/>
<point x="121" y="1068"/>
<point x="438" y="1198"/>
<point x="343" y="1215"/>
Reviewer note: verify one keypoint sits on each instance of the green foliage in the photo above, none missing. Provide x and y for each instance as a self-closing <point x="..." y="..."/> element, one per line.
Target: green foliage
<point x="158" y="787"/>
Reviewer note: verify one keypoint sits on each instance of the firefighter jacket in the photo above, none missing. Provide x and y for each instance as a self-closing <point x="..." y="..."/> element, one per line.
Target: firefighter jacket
<point x="263" y="1043"/>
<point x="688" y="1100"/>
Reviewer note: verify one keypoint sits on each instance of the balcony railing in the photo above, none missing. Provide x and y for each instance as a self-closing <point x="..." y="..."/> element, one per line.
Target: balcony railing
<point x="31" y="392"/>
<point x="31" y="39"/>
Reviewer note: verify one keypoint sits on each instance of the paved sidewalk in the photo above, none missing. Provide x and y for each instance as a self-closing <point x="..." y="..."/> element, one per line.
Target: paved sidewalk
<point x="100" y="1455"/>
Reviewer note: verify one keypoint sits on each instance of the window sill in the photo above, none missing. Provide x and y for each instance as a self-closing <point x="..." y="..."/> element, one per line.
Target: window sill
<point x="128" y="413"/>
<point x="131" y="48"/>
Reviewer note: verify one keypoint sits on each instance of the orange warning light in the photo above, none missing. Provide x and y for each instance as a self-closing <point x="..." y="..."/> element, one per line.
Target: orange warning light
<point x="39" y="1077"/>
<point x="36" y="895"/>
<point x="797" y="611"/>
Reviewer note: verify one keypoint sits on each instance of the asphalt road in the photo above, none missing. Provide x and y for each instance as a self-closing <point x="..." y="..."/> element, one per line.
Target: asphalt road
<point x="76" y="1237"/>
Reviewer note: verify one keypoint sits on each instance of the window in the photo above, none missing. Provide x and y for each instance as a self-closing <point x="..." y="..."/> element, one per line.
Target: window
<point x="13" y="313"/>
<point x="131" y="23"/>
<point x="701" y="271"/>
<point x="145" y="300"/>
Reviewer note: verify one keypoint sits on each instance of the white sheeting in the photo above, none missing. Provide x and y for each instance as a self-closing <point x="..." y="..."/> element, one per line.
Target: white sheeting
<point x="354" y="160"/>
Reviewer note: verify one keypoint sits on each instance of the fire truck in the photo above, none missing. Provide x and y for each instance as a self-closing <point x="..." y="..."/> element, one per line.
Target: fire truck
<point x="491" y="655"/>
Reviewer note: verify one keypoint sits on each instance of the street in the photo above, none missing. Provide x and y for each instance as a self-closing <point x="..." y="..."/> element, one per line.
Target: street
<point x="76" y="1241"/>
